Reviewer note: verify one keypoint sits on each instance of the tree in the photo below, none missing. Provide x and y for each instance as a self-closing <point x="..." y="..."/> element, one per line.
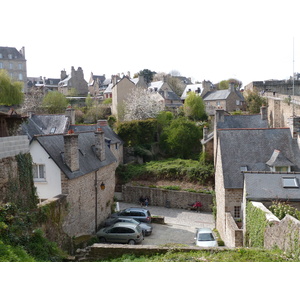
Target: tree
<point x="254" y="101"/>
<point x="141" y="104"/>
<point x="55" y="102"/>
<point x="224" y="84"/>
<point x="194" y="107"/>
<point x="148" y="75"/>
<point x="10" y="92"/>
<point x="181" y="138"/>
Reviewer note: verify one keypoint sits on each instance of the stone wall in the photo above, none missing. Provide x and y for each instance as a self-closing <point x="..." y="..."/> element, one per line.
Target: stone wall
<point x="234" y="235"/>
<point x="285" y="234"/>
<point x="82" y="195"/>
<point x="13" y="145"/>
<point x="108" y="251"/>
<point x="166" y="198"/>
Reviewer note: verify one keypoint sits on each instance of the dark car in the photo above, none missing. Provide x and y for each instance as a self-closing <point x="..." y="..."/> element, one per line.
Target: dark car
<point x="137" y="213"/>
<point x="146" y="227"/>
<point x="121" y="233"/>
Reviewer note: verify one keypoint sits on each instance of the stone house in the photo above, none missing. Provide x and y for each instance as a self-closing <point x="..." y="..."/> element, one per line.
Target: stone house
<point x="43" y="83"/>
<point x="14" y="62"/>
<point x="96" y="85"/>
<point x="80" y="166"/>
<point x="196" y="88"/>
<point x="241" y="148"/>
<point x="230" y="100"/>
<point x="75" y="81"/>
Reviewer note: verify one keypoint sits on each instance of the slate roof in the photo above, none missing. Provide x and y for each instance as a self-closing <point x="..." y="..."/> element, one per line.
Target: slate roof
<point x="5" y="51"/>
<point x="243" y="121"/>
<point x="269" y="186"/>
<point x="108" y="132"/>
<point x="221" y="95"/>
<point x="45" y="124"/>
<point x="192" y="88"/>
<point x="88" y="161"/>
<point x="253" y="148"/>
<point x="278" y="159"/>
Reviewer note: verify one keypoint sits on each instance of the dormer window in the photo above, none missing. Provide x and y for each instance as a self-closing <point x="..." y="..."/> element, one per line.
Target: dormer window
<point x="53" y="129"/>
<point x="283" y="169"/>
<point x="290" y="182"/>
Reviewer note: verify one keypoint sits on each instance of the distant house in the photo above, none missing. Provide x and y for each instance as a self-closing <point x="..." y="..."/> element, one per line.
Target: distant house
<point x="244" y="145"/>
<point x="42" y="83"/>
<point x="196" y="88"/>
<point x="95" y="85"/>
<point x="14" y="62"/>
<point x="74" y="81"/>
<point x="230" y="100"/>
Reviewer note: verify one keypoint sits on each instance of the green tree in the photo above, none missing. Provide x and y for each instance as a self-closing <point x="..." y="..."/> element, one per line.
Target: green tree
<point x="181" y="139"/>
<point x="148" y="75"/>
<point x="224" y="84"/>
<point x="10" y="92"/>
<point x="254" y="102"/>
<point x="194" y="107"/>
<point x="55" y="102"/>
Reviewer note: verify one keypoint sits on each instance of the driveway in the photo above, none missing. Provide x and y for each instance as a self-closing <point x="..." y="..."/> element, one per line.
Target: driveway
<point x="180" y="225"/>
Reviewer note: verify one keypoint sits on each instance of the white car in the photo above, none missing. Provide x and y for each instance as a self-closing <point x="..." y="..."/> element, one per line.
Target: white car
<point x="205" y="238"/>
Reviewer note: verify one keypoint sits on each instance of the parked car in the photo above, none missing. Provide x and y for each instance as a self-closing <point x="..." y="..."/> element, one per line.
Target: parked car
<point x="137" y="213"/>
<point x="146" y="227"/>
<point x="205" y="238"/>
<point x="124" y="232"/>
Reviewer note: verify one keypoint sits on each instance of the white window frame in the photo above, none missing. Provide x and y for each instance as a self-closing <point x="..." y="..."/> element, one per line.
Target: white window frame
<point x="39" y="172"/>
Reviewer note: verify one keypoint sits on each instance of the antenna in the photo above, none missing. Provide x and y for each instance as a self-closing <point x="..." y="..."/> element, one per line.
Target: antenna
<point x="293" y="78"/>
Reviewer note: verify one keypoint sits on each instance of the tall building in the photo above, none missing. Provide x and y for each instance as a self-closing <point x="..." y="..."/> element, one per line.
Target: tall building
<point x="14" y="62"/>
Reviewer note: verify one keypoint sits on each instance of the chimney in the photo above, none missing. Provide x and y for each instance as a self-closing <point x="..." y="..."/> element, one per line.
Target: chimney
<point x="219" y="115"/>
<point x="100" y="144"/>
<point x="264" y="113"/>
<point x="71" y="152"/>
<point x="70" y="112"/>
<point x="63" y="75"/>
<point x="231" y="86"/>
<point x="102" y="123"/>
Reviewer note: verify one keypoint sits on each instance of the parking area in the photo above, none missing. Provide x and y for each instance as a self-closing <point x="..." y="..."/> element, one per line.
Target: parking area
<point x="180" y="225"/>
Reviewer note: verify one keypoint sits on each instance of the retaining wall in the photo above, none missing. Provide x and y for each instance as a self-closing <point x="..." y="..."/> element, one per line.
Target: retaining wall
<point x="13" y="145"/>
<point x="166" y="198"/>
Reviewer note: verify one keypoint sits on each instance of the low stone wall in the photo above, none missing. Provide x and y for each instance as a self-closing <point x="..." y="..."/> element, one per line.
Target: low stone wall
<point x="109" y="251"/>
<point x="285" y="234"/>
<point x="166" y="198"/>
<point x="234" y="235"/>
<point x="13" y="145"/>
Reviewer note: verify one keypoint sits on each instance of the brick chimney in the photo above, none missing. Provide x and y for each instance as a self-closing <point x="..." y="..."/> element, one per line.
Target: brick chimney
<point x="71" y="152"/>
<point x="100" y="144"/>
<point x="264" y="113"/>
<point x="219" y="115"/>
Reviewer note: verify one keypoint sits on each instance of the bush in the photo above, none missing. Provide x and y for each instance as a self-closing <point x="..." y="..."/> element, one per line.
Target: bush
<point x="281" y="209"/>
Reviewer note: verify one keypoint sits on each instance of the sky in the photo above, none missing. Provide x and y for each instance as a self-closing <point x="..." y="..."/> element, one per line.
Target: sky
<point x="206" y="40"/>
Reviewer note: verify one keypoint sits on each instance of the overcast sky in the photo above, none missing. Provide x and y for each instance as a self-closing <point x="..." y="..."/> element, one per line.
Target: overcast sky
<point x="211" y="40"/>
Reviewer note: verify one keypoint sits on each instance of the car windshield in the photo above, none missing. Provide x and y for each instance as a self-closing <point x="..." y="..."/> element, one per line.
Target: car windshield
<point x="205" y="237"/>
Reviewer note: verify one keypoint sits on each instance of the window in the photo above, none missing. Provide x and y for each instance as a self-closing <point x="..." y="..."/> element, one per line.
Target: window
<point x="53" y="129"/>
<point x="9" y="56"/>
<point x="290" y="182"/>
<point x="237" y="102"/>
<point x="20" y="67"/>
<point x="38" y="172"/>
<point x="237" y="212"/>
<point x="1" y="65"/>
<point x="11" y="66"/>
<point x="1" y="56"/>
<point x="282" y="169"/>
<point x="244" y="168"/>
<point x="20" y="76"/>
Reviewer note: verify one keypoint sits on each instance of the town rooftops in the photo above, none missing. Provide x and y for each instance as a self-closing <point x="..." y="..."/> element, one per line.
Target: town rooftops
<point x="11" y="53"/>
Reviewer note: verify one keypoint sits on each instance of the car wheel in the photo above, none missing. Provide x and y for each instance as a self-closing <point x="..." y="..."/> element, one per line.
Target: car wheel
<point x="131" y="242"/>
<point x="102" y="240"/>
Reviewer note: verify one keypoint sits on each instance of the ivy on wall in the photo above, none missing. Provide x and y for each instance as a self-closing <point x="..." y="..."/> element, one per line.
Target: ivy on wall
<point x="256" y="223"/>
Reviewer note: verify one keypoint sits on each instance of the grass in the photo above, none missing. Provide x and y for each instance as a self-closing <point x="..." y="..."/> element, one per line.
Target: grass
<point x="224" y="255"/>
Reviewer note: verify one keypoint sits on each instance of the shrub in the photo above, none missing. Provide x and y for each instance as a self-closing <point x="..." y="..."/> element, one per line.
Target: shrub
<point x="281" y="209"/>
